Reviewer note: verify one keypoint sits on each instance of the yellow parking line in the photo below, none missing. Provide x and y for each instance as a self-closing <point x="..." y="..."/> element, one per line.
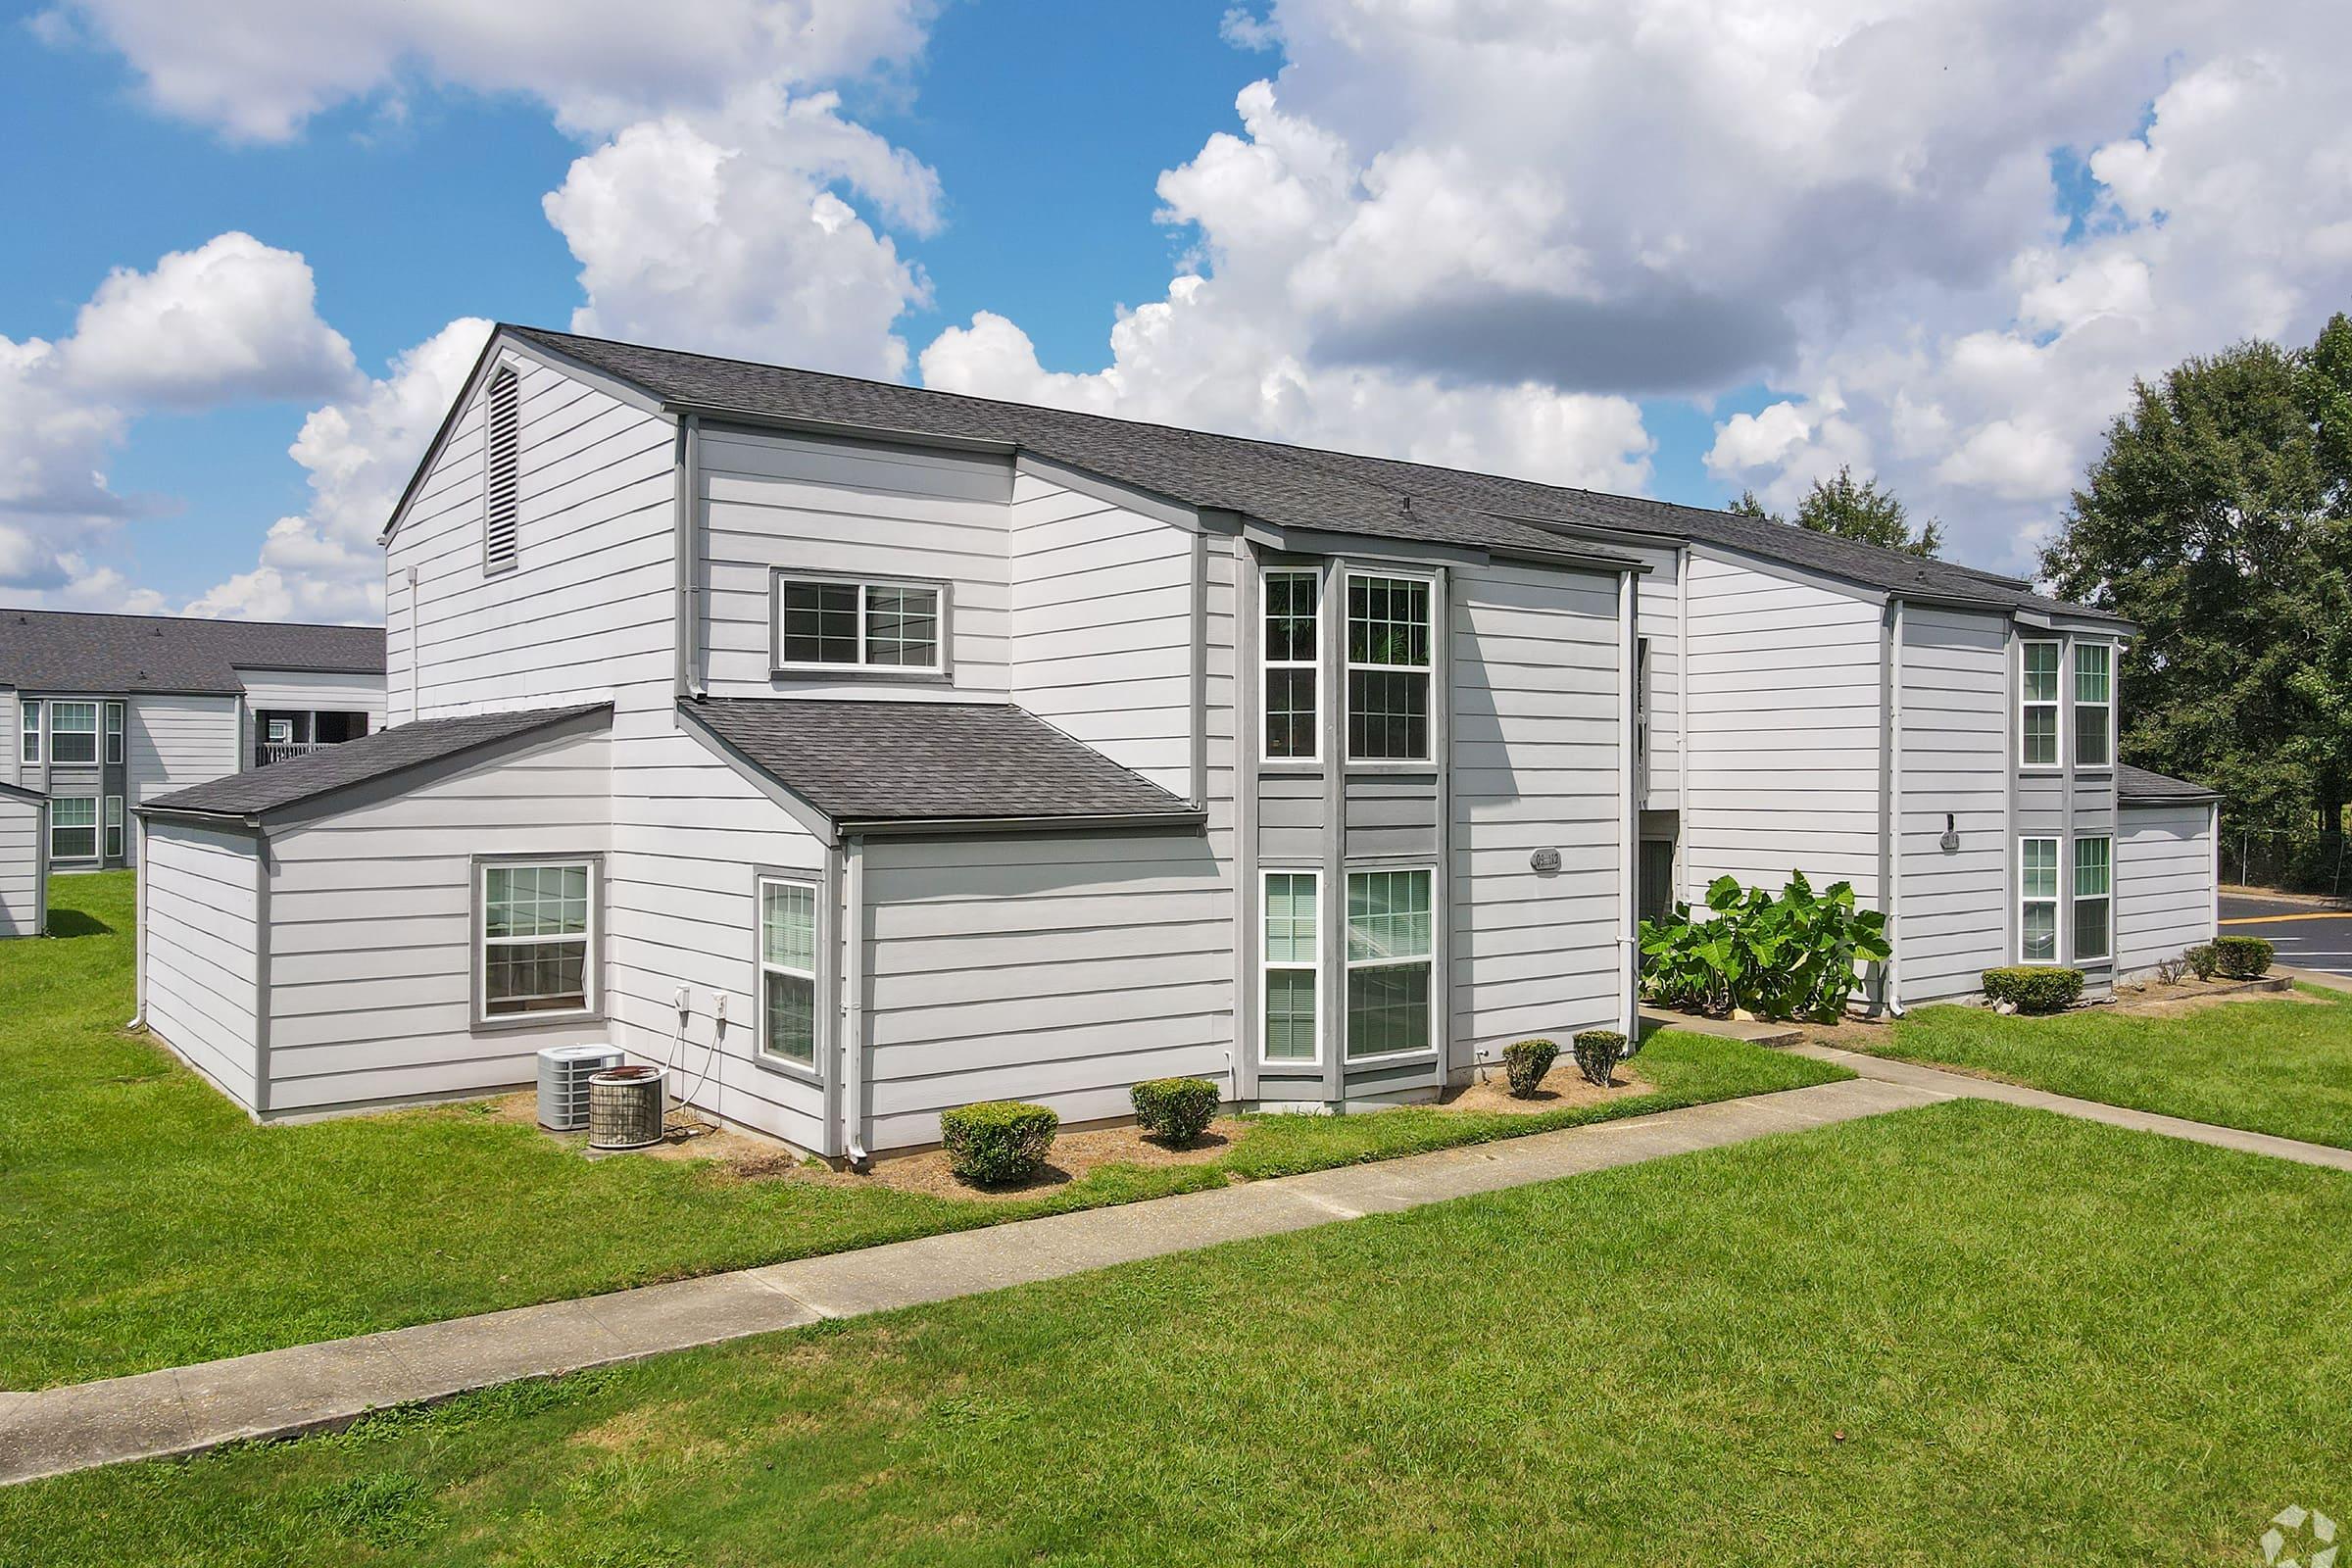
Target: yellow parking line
<point x="2272" y="919"/>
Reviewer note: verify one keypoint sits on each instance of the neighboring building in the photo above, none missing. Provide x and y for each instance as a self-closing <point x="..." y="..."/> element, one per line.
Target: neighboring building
<point x="23" y="862"/>
<point x="862" y="752"/>
<point x="102" y="712"/>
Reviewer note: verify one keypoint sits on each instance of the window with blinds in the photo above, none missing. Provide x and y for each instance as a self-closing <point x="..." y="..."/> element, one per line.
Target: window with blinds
<point x="502" y="446"/>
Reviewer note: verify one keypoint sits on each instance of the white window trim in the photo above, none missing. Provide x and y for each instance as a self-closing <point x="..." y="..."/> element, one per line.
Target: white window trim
<point x="2057" y="899"/>
<point x="2057" y="705"/>
<point x="95" y="827"/>
<point x="97" y="750"/>
<point x="114" y="723"/>
<point x="28" y="744"/>
<point x="941" y="662"/>
<point x="1430" y="959"/>
<point x="2074" y="898"/>
<point x="813" y="1070"/>
<point x="1349" y="666"/>
<point x="592" y="972"/>
<point x="2074" y="701"/>
<point x="1268" y="663"/>
<point x="111" y="829"/>
<point x="1314" y="965"/>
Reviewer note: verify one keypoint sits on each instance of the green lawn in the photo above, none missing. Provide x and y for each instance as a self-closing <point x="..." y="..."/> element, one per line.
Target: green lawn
<point x="1969" y="1334"/>
<point x="149" y="1223"/>
<point x="2282" y="1068"/>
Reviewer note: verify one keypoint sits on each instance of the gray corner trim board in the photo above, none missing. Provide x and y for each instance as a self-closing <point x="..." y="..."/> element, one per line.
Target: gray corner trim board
<point x="1247" y="893"/>
<point x="1685" y="730"/>
<point x="1891" y="844"/>
<point x="1199" y="795"/>
<point x="835" y="894"/>
<point x="853" y="1011"/>
<point x="718" y="745"/>
<point x="1629" y="821"/>
<point x="1113" y="492"/>
<point x="1331" y="887"/>
<point x="685" y="525"/>
<point x="2013" y="879"/>
<point x="1441" y="878"/>
<point x="263" y="873"/>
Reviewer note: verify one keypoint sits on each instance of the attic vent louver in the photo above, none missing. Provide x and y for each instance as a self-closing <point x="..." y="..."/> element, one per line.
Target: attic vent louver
<point x="502" y="444"/>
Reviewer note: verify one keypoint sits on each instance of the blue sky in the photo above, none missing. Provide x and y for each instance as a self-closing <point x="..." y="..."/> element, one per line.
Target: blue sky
<point x="1043" y="129"/>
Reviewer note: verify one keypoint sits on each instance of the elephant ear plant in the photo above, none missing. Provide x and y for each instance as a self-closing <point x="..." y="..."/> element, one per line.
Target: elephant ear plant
<point x="1793" y="957"/>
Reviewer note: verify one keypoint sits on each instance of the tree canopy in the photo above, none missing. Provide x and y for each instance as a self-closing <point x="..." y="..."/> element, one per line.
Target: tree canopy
<point x="2220" y="520"/>
<point x="1863" y="510"/>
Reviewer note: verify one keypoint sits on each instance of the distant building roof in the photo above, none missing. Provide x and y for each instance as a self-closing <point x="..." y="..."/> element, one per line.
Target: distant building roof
<point x="263" y="790"/>
<point x="2138" y="784"/>
<point x="1288" y="486"/>
<point x="909" y="763"/>
<point x="72" y="651"/>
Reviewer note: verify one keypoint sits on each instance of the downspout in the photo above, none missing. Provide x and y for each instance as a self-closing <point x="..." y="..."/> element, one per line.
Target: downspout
<point x="1683" y="729"/>
<point x="852" y="1008"/>
<point x="1629" y="834"/>
<point x="1891" y="842"/>
<point x="415" y="671"/>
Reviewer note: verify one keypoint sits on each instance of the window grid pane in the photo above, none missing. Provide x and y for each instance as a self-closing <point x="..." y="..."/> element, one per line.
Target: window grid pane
<point x="902" y="627"/>
<point x="1388" y="668"/>
<point x="1388" y="716"/>
<point x="522" y="902"/>
<point x="1289" y="1034"/>
<point x="1387" y="916"/>
<point x="1290" y="919"/>
<point x="2092" y="672"/>
<point x="1291" y="603"/>
<point x="788" y="926"/>
<point x="74" y="827"/>
<point x="789" y="1002"/>
<point x="821" y="623"/>
<point x="2091" y="735"/>
<point x="74" y="732"/>
<point x="536" y="977"/>
<point x="2040" y="672"/>
<point x="2040" y="943"/>
<point x="30" y="747"/>
<point x="2041" y="735"/>
<point x="2094" y="871"/>
<point x="2038" y="863"/>
<point x="2090" y="928"/>
<point x="1388" y="1009"/>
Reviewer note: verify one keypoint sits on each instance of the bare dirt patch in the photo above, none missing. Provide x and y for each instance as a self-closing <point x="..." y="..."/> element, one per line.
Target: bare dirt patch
<point x="1562" y="1089"/>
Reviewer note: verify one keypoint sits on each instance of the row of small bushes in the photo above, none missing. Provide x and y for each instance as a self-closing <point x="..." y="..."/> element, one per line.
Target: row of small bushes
<point x="999" y="1142"/>
<point x="1598" y="1052"/>
<point x="2040" y="989"/>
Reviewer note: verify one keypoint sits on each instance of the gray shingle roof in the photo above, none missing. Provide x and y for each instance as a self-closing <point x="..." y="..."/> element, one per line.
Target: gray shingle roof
<point x="2138" y="784"/>
<point x="72" y="650"/>
<point x="371" y="756"/>
<point x="1288" y="486"/>
<point x="887" y="761"/>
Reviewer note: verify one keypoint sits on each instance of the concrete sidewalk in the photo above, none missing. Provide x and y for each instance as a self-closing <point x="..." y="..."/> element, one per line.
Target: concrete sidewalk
<point x="1939" y="1083"/>
<point x="315" y="1388"/>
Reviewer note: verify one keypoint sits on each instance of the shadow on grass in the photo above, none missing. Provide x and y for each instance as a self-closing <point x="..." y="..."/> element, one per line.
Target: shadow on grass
<point x="76" y="923"/>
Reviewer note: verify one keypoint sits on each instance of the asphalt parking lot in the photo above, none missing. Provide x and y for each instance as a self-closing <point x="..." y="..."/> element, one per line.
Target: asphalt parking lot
<point x="2307" y="937"/>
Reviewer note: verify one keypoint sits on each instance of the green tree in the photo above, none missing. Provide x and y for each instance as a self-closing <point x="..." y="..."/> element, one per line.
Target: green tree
<point x="1863" y="510"/>
<point x="2218" y="519"/>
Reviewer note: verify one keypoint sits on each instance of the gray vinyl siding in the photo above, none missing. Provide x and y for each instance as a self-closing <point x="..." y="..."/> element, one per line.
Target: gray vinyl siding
<point x="1785" y="734"/>
<point x="1954" y="916"/>
<point x="2164" y="883"/>
<point x="855" y="508"/>
<point x="371" y="930"/>
<point x="1658" y="614"/>
<point x="20" y="852"/>
<point x="1101" y="627"/>
<point x="1535" y="689"/>
<point x="1061" y="970"/>
<point x="201" y="907"/>
<point x="320" y="691"/>
<point x="170" y="742"/>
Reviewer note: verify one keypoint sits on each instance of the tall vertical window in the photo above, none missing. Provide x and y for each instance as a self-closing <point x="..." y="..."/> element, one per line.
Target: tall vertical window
<point x="538" y="937"/>
<point x="822" y="623"/>
<point x="1387" y="669"/>
<point x="74" y="827"/>
<point x="1293" y="602"/>
<point x="113" y="827"/>
<point x="72" y="732"/>
<point x="1290" y="967"/>
<point x="2038" y="895"/>
<point x="788" y="970"/>
<point x="28" y="746"/>
<point x="1388" y="957"/>
<point x="114" y="732"/>
<point x="2095" y="897"/>
<point x="2038" y="699"/>
<point x="2094" y="705"/>
<point x="502" y="469"/>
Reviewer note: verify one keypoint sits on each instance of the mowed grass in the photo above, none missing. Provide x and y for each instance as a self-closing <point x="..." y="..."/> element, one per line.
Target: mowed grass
<point x="2281" y="1067"/>
<point x="149" y="1223"/>
<point x="1970" y="1333"/>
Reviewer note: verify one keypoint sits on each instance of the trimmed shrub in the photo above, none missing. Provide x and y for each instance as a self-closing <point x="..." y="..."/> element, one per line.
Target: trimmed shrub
<point x="1526" y="1061"/>
<point x="998" y="1142"/>
<point x="1598" y="1052"/>
<point x="1175" y="1109"/>
<point x="2243" y="958"/>
<point x="2203" y="959"/>
<point x="2033" y="989"/>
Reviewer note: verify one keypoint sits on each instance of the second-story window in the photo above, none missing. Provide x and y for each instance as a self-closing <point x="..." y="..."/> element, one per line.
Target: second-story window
<point x="1388" y="669"/>
<point x="114" y="732"/>
<point x="72" y="732"/>
<point x="828" y="623"/>
<point x="29" y="749"/>
<point x="2037" y="700"/>
<point x="1294" y="599"/>
<point x="2094" y="705"/>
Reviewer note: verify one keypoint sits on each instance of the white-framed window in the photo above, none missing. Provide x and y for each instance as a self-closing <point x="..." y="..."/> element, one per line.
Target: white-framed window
<point x="835" y="623"/>
<point x="2094" y="705"/>
<point x="536" y="943"/>
<point x="788" y="948"/>
<point x="2037" y="705"/>
<point x="1290" y="968"/>
<point x="1389" y="664"/>
<point x="502" y="471"/>
<point x="114" y="732"/>
<point x="1390" y="958"/>
<point x="113" y="827"/>
<point x="2094" y="899"/>
<point x="72" y="732"/>
<point x="2037" y="900"/>
<point x="74" y="827"/>
<point x="1293" y="660"/>
<point x="28" y="746"/>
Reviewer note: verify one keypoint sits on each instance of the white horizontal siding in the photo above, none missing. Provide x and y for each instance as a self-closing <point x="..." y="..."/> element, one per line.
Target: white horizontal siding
<point x="21" y="851"/>
<point x="1659" y="619"/>
<point x="202" y="944"/>
<point x="2164" y="883"/>
<point x="1953" y="922"/>
<point x="995" y="972"/>
<point x="316" y="690"/>
<point x="170" y="742"/>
